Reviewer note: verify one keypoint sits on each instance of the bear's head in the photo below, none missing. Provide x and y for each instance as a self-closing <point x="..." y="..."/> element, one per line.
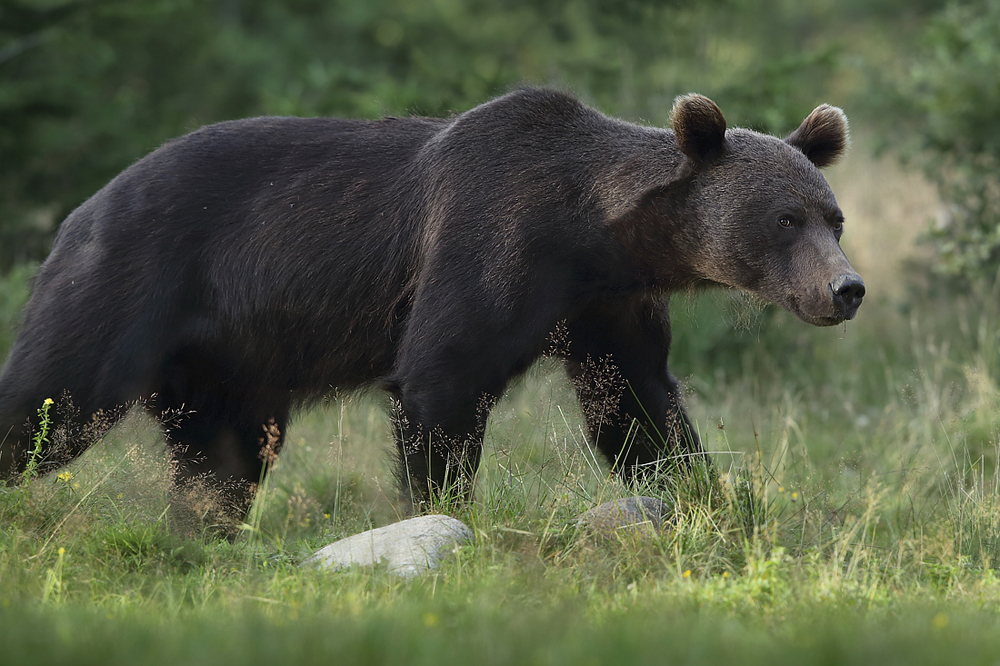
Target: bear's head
<point x="764" y="219"/>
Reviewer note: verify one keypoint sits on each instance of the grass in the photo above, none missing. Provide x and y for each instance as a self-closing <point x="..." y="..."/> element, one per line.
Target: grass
<point x="857" y="519"/>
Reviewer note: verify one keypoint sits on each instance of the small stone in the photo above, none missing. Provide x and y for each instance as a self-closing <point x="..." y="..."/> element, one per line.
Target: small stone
<point x="631" y="514"/>
<point x="407" y="548"/>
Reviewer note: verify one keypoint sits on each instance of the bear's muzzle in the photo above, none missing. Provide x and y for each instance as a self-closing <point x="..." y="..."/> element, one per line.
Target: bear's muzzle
<point x="847" y="291"/>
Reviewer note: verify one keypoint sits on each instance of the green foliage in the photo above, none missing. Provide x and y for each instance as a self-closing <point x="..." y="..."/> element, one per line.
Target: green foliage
<point x="38" y="442"/>
<point x="956" y="95"/>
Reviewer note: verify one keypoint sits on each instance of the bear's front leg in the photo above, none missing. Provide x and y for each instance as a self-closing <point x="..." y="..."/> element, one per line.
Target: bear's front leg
<point x="439" y="463"/>
<point x="442" y="395"/>
<point x="464" y="342"/>
<point x="617" y="361"/>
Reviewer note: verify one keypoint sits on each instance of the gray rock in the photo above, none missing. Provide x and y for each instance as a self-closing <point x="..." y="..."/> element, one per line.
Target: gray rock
<point x="632" y="514"/>
<point x="407" y="548"/>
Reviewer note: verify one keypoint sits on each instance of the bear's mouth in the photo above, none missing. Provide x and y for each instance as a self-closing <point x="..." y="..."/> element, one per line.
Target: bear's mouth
<point x="827" y="321"/>
<point x="830" y="318"/>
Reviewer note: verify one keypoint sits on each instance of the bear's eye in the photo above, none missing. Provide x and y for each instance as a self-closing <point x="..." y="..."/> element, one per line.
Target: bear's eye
<point x="838" y="226"/>
<point x="786" y="222"/>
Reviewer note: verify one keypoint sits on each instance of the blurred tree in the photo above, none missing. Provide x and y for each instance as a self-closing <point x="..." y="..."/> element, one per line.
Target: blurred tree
<point x="955" y="92"/>
<point x="85" y="88"/>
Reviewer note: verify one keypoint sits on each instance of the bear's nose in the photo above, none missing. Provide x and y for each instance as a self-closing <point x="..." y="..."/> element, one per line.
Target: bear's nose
<point x="848" y="290"/>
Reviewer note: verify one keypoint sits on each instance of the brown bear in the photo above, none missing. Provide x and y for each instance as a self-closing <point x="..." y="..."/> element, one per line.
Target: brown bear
<point x="254" y="266"/>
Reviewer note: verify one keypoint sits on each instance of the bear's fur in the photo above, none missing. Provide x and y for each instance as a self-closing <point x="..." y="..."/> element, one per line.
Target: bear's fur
<point x="257" y="265"/>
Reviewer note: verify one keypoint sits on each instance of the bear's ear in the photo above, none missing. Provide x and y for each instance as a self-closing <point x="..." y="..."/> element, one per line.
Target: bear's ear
<point x="823" y="136"/>
<point x="699" y="126"/>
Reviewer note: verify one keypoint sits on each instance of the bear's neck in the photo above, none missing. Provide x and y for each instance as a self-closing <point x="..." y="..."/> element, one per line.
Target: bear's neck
<point x="645" y="191"/>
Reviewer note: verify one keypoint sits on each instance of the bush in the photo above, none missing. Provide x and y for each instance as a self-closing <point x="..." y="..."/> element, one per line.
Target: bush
<point x="957" y="94"/>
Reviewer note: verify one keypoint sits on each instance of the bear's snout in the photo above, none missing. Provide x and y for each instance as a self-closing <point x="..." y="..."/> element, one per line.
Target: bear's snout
<point x="848" y="290"/>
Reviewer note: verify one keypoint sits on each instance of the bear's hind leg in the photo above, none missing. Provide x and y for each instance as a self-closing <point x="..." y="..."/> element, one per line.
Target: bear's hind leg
<point x="220" y="464"/>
